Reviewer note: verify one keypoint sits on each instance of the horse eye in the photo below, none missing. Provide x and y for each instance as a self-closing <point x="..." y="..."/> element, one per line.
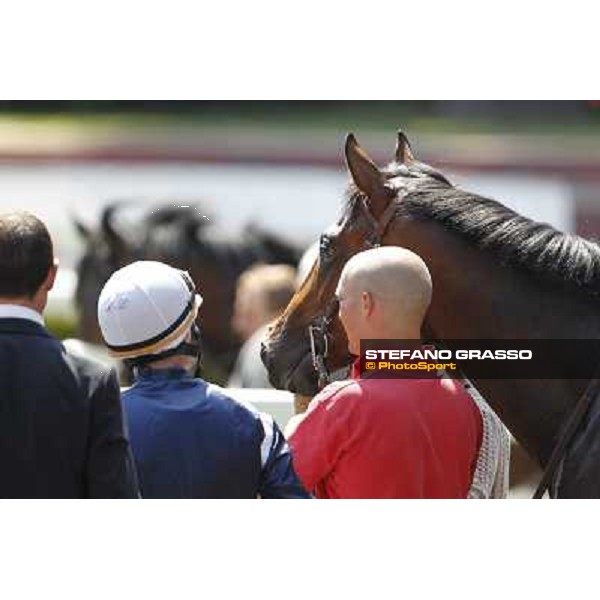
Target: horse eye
<point x="325" y="246"/>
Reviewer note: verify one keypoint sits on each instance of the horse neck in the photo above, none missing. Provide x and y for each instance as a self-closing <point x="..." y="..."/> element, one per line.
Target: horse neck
<point x="476" y="297"/>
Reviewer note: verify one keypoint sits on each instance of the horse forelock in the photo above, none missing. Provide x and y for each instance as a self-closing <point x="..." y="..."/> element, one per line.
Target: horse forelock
<point x="399" y="177"/>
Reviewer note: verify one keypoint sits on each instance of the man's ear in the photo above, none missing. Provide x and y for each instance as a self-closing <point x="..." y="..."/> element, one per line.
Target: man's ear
<point x="51" y="277"/>
<point x="367" y="303"/>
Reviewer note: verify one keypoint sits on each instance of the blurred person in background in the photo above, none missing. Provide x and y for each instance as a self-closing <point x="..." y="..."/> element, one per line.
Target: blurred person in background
<point x="189" y="439"/>
<point x="263" y="292"/>
<point x="61" y="423"/>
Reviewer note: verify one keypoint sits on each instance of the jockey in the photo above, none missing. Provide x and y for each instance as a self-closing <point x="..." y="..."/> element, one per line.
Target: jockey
<point x="189" y="439"/>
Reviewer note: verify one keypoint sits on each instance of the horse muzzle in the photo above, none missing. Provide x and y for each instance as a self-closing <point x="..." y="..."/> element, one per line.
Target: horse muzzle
<point x="290" y="366"/>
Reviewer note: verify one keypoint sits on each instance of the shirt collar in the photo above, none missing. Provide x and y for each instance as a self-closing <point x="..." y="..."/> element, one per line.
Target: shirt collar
<point x="162" y="374"/>
<point x="16" y="311"/>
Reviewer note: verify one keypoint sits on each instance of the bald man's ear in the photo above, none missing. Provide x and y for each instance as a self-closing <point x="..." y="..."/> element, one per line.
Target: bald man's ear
<point x="367" y="303"/>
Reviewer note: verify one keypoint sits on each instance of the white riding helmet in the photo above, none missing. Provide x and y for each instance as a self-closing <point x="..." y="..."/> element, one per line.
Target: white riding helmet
<point x="146" y="308"/>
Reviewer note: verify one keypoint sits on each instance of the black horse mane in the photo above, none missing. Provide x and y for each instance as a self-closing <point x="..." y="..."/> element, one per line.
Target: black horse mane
<point x="514" y="239"/>
<point x="537" y="248"/>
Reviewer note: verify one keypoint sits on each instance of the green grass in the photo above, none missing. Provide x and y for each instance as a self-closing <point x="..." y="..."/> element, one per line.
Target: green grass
<point x="60" y="326"/>
<point x="289" y="117"/>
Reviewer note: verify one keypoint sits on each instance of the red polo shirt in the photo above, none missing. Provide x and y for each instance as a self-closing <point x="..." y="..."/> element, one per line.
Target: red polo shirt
<point x="389" y="438"/>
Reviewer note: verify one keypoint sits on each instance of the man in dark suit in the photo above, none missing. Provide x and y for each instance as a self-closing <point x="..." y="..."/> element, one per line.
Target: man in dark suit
<point x="61" y="424"/>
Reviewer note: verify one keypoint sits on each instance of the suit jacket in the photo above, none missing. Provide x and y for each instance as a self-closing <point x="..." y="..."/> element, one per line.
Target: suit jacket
<point x="61" y="425"/>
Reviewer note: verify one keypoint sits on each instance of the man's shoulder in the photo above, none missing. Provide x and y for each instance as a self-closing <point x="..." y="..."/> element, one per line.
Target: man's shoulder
<point x="36" y="344"/>
<point x="444" y="385"/>
<point x="86" y="366"/>
<point x="27" y="337"/>
<point x="412" y="389"/>
<point x="343" y="386"/>
<point x="216" y="392"/>
<point x="90" y="376"/>
<point x="340" y="391"/>
<point x="241" y="410"/>
<point x="453" y="388"/>
<point x="22" y="327"/>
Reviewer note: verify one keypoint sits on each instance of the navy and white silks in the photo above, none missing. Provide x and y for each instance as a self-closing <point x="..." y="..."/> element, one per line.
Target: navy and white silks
<point x="190" y="440"/>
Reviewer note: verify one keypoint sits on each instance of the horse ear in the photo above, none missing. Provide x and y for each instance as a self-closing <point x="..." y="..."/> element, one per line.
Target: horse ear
<point x="114" y="238"/>
<point x="403" y="150"/>
<point x="82" y="229"/>
<point x="365" y="174"/>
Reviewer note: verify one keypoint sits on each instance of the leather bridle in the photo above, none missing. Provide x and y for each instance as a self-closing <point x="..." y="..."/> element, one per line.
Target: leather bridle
<point x="318" y="329"/>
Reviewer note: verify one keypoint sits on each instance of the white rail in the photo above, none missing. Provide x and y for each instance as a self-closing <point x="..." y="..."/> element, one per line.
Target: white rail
<point x="277" y="403"/>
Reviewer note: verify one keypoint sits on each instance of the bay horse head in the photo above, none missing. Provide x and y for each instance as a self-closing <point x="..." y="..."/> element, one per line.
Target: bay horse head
<point x="308" y="342"/>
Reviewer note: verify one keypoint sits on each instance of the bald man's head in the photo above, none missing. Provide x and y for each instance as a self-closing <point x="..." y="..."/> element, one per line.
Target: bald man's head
<point x="396" y="281"/>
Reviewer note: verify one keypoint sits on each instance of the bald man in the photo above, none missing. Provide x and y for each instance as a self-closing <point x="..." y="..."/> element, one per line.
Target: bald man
<point x="387" y="438"/>
<point x="383" y="293"/>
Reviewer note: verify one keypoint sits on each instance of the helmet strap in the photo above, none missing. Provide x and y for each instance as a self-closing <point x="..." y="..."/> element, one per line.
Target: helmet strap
<point x="192" y="349"/>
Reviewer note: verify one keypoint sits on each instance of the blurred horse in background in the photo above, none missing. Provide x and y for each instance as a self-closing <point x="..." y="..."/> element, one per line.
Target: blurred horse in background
<point x="184" y="238"/>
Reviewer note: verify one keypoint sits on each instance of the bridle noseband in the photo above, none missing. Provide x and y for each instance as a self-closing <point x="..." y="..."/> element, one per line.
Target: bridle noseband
<point x="318" y="329"/>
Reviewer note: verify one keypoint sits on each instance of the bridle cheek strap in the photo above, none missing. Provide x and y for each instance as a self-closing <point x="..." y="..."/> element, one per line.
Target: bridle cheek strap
<point x="318" y="329"/>
<point x="379" y="226"/>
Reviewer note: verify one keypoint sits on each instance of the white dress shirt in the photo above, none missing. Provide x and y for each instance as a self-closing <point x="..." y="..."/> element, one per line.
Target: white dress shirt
<point x="16" y="311"/>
